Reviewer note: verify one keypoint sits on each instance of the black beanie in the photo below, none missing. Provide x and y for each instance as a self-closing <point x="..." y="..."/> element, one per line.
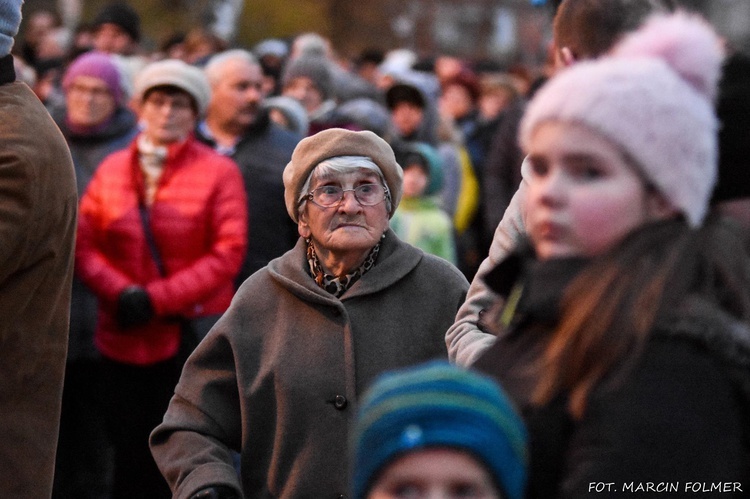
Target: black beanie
<point x="122" y="15"/>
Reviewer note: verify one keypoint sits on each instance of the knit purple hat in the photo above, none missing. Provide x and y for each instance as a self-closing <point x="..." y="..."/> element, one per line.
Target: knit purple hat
<point x="653" y="97"/>
<point x="96" y="65"/>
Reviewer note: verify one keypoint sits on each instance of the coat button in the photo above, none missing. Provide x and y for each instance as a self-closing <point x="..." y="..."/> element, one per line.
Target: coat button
<point x="339" y="402"/>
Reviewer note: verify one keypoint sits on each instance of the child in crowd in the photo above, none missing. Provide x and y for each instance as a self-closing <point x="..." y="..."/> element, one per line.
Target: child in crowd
<point x="626" y="343"/>
<point x="419" y="219"/>
<point x="436" y="430"/>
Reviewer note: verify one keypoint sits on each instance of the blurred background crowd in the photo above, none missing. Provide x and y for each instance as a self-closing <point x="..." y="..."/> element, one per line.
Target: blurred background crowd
<point x="445" y="83"/>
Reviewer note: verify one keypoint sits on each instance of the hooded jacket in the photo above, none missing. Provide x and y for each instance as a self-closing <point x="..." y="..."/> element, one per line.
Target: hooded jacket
<point x="279" y="376"/>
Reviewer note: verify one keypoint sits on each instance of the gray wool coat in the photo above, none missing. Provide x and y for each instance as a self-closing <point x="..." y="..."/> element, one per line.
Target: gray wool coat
<point x="279" y="376"/>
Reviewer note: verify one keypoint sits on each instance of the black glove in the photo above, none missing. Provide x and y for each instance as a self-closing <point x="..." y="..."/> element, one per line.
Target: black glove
<point x="134" y="307"/>
<point x="216" y="492"/>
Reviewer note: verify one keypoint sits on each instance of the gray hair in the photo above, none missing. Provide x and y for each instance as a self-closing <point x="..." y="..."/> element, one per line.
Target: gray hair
<point x="342" y="164"/>
<point x="214" y="66"/>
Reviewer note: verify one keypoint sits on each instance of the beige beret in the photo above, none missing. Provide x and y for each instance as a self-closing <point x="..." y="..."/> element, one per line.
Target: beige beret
<point x="175" y="73"/>
<point x="335" y="142"/>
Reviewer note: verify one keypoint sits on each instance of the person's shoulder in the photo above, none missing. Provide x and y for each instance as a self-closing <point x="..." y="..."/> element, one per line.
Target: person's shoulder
<point x="205" y="153"/>
<point x="441" y="269"/>
<point x="282" y="136"/>
<point x="699" y="327"/>
<point x="118" y="159"/>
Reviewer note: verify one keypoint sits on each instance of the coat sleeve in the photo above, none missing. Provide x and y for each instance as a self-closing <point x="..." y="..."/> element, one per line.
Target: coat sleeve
<point x="677" y="420"/>
<point x="202" y="426"/>
<point x="221" y="263"/>
<point x="465" y="340"/>
<point x="16" y="200"/>
<point x="91" y="263"/>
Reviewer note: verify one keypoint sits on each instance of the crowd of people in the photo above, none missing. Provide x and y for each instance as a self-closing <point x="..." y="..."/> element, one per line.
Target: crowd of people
<point x="300" y="276"/>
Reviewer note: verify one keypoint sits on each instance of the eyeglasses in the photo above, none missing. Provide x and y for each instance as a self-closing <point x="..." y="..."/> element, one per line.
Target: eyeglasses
<point x="331" y="195"/>
<point x="77" y="89"/>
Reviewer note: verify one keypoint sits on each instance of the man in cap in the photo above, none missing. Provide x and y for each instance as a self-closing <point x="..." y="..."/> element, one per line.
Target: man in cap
<point x="38" y="205"/>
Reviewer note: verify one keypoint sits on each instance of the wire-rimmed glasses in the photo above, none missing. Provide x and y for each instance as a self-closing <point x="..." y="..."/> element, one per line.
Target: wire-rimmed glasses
<point x="327" y="196"/>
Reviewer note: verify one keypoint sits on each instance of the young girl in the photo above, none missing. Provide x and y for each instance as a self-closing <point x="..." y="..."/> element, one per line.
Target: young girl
<point x="628" y="349"/>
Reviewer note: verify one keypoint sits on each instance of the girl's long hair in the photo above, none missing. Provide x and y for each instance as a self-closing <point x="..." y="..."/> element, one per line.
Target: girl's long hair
<point x="609" y="310"/>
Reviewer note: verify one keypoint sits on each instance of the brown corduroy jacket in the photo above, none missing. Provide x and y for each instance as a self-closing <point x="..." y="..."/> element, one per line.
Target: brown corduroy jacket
<point x="38" y="204"/>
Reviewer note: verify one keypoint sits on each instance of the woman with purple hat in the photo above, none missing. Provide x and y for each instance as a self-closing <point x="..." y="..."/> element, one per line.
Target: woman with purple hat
<point x="95" y="122"/>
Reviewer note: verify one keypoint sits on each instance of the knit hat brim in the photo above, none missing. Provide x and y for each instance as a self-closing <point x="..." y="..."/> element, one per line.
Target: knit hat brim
<point x="175" y="73"/>
<point x="438" y="405"/>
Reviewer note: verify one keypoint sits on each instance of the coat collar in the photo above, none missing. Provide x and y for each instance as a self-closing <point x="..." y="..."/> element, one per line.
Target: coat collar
<point x="396" y="259"/>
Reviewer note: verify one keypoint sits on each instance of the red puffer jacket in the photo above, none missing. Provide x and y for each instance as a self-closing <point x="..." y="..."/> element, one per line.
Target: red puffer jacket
<point x="199" y="223"/>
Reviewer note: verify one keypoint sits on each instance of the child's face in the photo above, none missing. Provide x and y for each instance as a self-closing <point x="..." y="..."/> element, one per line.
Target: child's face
<point x="584" y="197"/>
<point x="407" y="118"/>
<point x="415" y="181"/>
<point x="434" y="473"/>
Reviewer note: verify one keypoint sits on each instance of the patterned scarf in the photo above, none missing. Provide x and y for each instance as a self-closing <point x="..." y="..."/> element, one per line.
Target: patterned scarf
<point x="152" y="159"/>
<point x="337" y="286"/>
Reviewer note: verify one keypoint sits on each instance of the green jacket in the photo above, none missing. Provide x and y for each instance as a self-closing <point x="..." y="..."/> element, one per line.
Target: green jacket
<point x="279" y="376"/>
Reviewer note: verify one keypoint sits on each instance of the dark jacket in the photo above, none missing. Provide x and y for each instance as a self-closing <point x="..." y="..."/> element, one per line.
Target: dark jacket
<point x="262" y="154"/>
<point x="88" y="150"/>
<point x="279" y="376"/>
<point x="501" y="171"/>
<point x="680" y="414"/>
<point x="37" y="234"/>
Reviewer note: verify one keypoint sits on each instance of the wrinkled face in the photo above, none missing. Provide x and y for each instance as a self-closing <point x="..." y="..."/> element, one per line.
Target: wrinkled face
<point x="434" y="473"/>
<point x="584" y="197"/>
<point x="112" y="39"/>
<point x="348" y="229"/>
<point x="236" y="96"/>
<point x="304" y="90"/>
<point x="89" y="102"/>
<point x="168" y="116"/>
<point x="407" y="118"/>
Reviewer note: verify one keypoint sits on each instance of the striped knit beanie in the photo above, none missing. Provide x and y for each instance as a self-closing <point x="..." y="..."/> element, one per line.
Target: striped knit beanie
<point x="10" y="21"/>
<point x="438" y="405"/>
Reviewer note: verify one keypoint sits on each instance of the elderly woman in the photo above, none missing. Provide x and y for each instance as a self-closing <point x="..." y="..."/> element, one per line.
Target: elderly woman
<point x="161" y="235"/>
<point x="279" y="375"/>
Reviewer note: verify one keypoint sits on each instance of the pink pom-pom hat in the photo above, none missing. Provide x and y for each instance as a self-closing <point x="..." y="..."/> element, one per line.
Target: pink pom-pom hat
<point x="652" y="96"/>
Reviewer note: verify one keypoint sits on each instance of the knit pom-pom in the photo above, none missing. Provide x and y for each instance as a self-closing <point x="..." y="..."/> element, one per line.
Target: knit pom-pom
<point x="686" y="42"/>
